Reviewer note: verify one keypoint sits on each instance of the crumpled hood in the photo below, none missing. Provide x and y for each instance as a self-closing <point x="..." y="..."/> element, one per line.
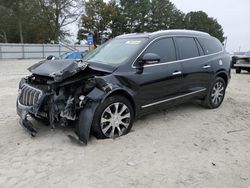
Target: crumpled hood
<point x="62" y="69"/>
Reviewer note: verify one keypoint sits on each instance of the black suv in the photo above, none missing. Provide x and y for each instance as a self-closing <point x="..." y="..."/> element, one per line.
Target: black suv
<point x="126" y="77"/>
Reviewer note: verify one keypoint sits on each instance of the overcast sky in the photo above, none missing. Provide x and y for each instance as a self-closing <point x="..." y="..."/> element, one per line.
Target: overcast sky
<point x="234" y="16"/>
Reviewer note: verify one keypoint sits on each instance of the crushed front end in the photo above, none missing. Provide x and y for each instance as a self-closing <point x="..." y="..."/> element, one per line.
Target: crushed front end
<point x="59" y="97"/>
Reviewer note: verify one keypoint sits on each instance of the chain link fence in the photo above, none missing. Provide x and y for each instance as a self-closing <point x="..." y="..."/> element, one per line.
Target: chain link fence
<point x="36" y="51"/>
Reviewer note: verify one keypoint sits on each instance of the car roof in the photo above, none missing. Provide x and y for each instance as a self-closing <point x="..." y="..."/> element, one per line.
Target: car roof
<point x="164" y="33"/>
<point x="75" y="52"/>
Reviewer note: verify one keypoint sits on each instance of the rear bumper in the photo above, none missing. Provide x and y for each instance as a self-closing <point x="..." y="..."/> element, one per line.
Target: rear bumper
<point x="242" y="65"/>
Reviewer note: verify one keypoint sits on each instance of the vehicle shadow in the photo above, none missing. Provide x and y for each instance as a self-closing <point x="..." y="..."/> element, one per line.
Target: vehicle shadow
<point x="162" y="115"/>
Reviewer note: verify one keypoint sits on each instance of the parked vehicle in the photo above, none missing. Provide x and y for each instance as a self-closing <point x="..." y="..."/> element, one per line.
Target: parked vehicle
<point x="68" y="55"/>
<point x="241" y="62"/>
<point x="123" y="79"/>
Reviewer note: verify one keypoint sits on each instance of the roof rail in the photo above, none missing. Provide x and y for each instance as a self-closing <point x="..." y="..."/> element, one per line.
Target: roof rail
<point x="179" y="30"/>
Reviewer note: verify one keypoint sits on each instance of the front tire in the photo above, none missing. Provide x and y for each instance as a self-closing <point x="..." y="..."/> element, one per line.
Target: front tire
<point x="113" y="118"/>
<point x="216" y="94"/>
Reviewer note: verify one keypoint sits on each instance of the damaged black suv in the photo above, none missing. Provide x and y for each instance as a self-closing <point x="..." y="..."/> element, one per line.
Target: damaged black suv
<point x="126" y="77"/>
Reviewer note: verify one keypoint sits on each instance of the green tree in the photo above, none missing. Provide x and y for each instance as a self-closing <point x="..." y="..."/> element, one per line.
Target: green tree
<point x="101" y="19"/>
<point x="116" y="21"/>
<point x="200" y="21"/>
<point x="5" y="19"/>
<point x="11" y="17"/>
<point x="23" y="21"/>
<point x="136" y="14"/>
<point x="164" y="15"/>
<point x="127" y="16"/>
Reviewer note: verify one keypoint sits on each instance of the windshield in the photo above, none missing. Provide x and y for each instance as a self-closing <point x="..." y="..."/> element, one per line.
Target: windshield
<point x="115" y="51"/>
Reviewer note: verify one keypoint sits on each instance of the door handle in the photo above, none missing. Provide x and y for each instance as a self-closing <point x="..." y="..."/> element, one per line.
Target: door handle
<point x="206" y="66"/>
<point x="176" y="73"/>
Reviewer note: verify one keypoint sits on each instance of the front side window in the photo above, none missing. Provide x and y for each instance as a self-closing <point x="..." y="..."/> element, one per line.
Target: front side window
<point x="164" y="48"/>
<point x="116" y="51"/>
<point x="187" y="47"/>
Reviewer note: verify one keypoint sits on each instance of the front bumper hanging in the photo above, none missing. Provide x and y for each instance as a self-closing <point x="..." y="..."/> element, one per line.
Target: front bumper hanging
<point x="25" y="123"/>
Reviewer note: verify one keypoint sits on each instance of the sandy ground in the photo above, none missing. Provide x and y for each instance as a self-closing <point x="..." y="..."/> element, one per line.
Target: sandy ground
<point x="186" y="146"/>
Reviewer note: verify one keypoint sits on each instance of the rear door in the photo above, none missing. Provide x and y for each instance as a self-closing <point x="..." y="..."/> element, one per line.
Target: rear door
<point x="197" y="70"/>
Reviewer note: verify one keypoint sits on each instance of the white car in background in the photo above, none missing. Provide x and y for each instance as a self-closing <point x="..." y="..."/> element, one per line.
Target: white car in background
<point x="241" y="62"/>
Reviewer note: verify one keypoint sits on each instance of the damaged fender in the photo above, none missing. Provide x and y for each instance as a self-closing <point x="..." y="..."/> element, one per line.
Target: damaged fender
<point x="97" y="96"/>
<point x="86" y="115"/>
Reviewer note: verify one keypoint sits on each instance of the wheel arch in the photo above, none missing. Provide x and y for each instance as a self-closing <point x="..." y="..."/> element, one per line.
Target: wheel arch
<point x="224" y="76"/>
<point x="125" y="94"/>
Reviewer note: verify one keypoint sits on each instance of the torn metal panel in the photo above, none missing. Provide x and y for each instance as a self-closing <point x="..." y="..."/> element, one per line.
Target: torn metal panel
<point x="83" y="126"/>
<point x="58" y="69"/>
<point x="62" y="92"/>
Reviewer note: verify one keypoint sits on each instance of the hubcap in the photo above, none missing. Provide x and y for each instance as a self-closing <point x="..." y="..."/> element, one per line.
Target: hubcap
<point x="115" y="120"/>
<point x="217" y="93"/>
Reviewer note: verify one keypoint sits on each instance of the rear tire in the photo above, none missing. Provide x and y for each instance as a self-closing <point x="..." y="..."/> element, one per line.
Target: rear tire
<point x="238" y="70"/>
<point x="216" y="94"/>
<point x="113" y="118"/>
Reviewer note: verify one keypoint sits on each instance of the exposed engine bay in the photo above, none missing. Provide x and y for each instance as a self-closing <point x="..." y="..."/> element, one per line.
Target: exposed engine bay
<point x="56" y="93"/>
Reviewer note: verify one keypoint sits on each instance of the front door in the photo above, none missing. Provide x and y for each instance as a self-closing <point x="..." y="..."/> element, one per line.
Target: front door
<point x="161" y="81"/>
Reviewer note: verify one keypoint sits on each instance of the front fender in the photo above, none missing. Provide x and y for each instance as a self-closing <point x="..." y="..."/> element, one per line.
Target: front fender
<point x="85" y="120"/>
<point x="86" y="115"/>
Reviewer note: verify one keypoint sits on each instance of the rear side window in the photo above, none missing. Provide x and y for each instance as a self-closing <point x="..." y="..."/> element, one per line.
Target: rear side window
<point x="187" y="47"/>
<point x="164" y="48"/>
<point x="211" y="45"/>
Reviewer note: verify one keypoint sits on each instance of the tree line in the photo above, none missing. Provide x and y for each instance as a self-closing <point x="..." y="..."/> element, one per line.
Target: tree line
<point x="128" y="16"/>
<point x="44" y="21"/>
<point x="37" y="21"/>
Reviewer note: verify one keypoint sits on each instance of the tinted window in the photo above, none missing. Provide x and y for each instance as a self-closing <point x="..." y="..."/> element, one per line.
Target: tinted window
<point x="164" y="48"/>
<point x="187" y="47"/>
<point x="211" y="45"/>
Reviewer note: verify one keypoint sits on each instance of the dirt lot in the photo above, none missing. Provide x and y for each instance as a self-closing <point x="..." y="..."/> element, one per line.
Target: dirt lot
<point x="186" y="146"/>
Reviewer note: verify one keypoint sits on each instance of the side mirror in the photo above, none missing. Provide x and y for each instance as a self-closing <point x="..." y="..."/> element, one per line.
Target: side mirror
<point x="51" y="57"/>
<point x="151" y="58"/>
<point x="148" y="58"/>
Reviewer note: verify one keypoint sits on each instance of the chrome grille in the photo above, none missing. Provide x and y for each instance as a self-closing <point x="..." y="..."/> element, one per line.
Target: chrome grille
<point x="29" y="95"/>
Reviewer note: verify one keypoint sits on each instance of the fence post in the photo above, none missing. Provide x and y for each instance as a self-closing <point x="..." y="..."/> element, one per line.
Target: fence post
<point x="59" y="49"/>
<point x="1" y="55"/>
<point x="23" y="51"/>
<point x="43" y="51"/>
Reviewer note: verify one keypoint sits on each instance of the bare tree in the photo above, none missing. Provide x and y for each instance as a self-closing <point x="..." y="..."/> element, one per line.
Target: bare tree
<point x="61" y="13"/>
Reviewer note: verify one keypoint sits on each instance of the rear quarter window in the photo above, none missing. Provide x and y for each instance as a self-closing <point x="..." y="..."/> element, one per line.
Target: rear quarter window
<point x="211" y="45"/>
